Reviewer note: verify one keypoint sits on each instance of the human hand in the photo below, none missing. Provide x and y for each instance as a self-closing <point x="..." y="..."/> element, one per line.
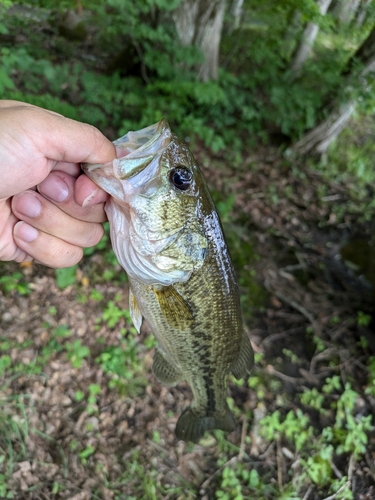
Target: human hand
<point x="48" y="210"/>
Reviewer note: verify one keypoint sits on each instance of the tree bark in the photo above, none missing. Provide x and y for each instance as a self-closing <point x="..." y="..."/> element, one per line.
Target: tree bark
<point x="236" y="13"/>
<point x="363" y="54"/>
<point x="200" y="22"/>
<point x="346" y="10"/>
<point x="308" y="39"/>
<point x="318" y="140"/>
<point x="362" y="13"/>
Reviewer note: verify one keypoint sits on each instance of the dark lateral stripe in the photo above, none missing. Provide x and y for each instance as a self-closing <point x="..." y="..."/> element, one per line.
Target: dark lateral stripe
<point x="211" y="398"/>
<point x="202" y="351"/>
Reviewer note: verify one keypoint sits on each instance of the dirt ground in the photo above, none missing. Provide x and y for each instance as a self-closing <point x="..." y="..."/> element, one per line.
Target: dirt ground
<point x="81" y="415"/>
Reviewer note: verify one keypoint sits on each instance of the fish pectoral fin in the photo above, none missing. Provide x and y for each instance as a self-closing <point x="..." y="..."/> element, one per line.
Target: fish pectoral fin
<point x="174" y="308"/>
<point x="164" y="371"/>
<point x="135" y="311"/>
<point x="191" y="427"/>
<point x="244" y="362"/>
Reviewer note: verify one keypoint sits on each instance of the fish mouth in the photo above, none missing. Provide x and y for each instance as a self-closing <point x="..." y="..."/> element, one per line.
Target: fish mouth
<point x="137" y="150"/>
<point x="146" y="140"/>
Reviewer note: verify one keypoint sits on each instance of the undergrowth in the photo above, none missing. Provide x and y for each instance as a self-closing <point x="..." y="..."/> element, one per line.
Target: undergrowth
<point x="292" y="444"/>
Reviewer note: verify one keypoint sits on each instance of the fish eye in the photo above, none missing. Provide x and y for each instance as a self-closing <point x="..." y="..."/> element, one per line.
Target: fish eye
<point x="181" y="178"/>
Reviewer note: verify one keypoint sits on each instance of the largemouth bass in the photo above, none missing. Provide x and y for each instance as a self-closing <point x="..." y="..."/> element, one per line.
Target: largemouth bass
<point x="167" y="236"/>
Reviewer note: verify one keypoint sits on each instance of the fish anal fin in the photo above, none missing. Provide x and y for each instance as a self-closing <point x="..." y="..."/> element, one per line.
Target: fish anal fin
<point x="174" y="307"/>
<point x="191" y="427"/>
<point x="164" y="371"/>
<point x="244" y="362"/>
<point x="135" y="311"/>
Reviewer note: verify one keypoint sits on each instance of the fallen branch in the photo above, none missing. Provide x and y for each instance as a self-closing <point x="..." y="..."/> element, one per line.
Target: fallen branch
<point x="271" y="371"/>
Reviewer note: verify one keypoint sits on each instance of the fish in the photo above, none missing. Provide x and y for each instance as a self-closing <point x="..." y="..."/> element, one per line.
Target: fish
<point x="167" y="235"/>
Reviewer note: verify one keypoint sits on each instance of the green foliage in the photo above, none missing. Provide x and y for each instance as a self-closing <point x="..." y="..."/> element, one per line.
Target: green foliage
<point x="363" y="319"/>
<point x="112" y="314"/>
<point x="65" y="276"/>
<point x="370" y="389"/>
<point x="76" y="352"/>
<point x="122" y="364"/>
<point x="352" y="154"/>
<point x="96" y="295"/>
<point x="225" y="206"/>
<point x="86" y="453"/>
<point x="314" y="399"/>
<point x="79" y="396"/>
<point x="332" y="384"/>
<point x="4" y="491"/>
<point x="5" y="363"/>
<point x="61" y="331"/>
<point x="317" y="449"/>
<point x="294" y="427"/>
<point x="237" y="482"/>
<point x="239" y="479"/>
<point x="94" y="391"/>
<point x="14" y="282"/>
<point x="14" y="432"/>
<point x="255" y="95"/>
<point x="153" y="75"/>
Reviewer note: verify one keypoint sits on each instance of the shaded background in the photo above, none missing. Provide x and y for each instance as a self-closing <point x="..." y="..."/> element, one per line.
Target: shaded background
<point x="276" y="101"/>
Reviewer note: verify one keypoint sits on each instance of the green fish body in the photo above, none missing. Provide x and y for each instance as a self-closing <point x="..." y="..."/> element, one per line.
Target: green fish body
<point x="167" y="236"/>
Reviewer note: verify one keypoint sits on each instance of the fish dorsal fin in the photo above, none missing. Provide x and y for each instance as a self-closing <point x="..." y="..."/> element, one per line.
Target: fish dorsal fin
<point x="174" y="308"/>
<point x="135" y="311"/>
<point x="164" y="371"/>
<point x="244" y="362"/>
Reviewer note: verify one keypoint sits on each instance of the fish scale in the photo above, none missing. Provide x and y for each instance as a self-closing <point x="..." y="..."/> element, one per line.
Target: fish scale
<point x="184" y="286"/>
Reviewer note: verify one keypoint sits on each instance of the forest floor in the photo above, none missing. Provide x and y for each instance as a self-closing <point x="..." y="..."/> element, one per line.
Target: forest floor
<point x="81" y="415"/>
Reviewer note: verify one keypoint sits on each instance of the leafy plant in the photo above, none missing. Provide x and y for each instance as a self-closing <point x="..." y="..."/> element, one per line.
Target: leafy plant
<point x="112" y="314"/>
<point x="363" y="319"/>
<point x="122" y="363"/>
<point x="5" y="363"/>
<point x="94" y="391"/>
<point x="14" y="282"/>
<point x="65" y="276"/>
<point x="14" y="432"/>
<point x="348" y="434"/>
<point x="76" y="352"/>
<point x="86" y="453"/>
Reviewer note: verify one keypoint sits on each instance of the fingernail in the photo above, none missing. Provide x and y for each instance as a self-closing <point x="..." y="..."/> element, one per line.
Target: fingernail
<point x="54" y="188"/>
<point x="25" y="232"/>
<point x="28" y="205"/>
<point x="86" y="201"/>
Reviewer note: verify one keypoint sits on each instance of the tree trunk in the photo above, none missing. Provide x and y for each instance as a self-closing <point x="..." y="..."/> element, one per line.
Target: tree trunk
<point x="236" y="13"/>
<point x="200" y="22"/>
<point x="318" y="139"/>
<point x="345" y="10"/>
<point x="308" y="39"/>
<point x="363" y="54"/>
<point x="362" y="13"/>
<point x="292" y="33"/>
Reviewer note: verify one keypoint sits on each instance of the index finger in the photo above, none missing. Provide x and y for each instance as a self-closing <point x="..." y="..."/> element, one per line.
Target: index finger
<point x="35" y="140"/>
<point x="65" y="140"/>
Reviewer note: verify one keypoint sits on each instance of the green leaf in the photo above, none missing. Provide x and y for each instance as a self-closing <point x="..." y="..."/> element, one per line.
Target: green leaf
<point x="65" y="276"/>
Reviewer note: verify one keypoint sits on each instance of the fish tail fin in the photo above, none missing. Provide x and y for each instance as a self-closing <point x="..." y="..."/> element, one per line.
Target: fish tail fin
<point x="191" y="427"/>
